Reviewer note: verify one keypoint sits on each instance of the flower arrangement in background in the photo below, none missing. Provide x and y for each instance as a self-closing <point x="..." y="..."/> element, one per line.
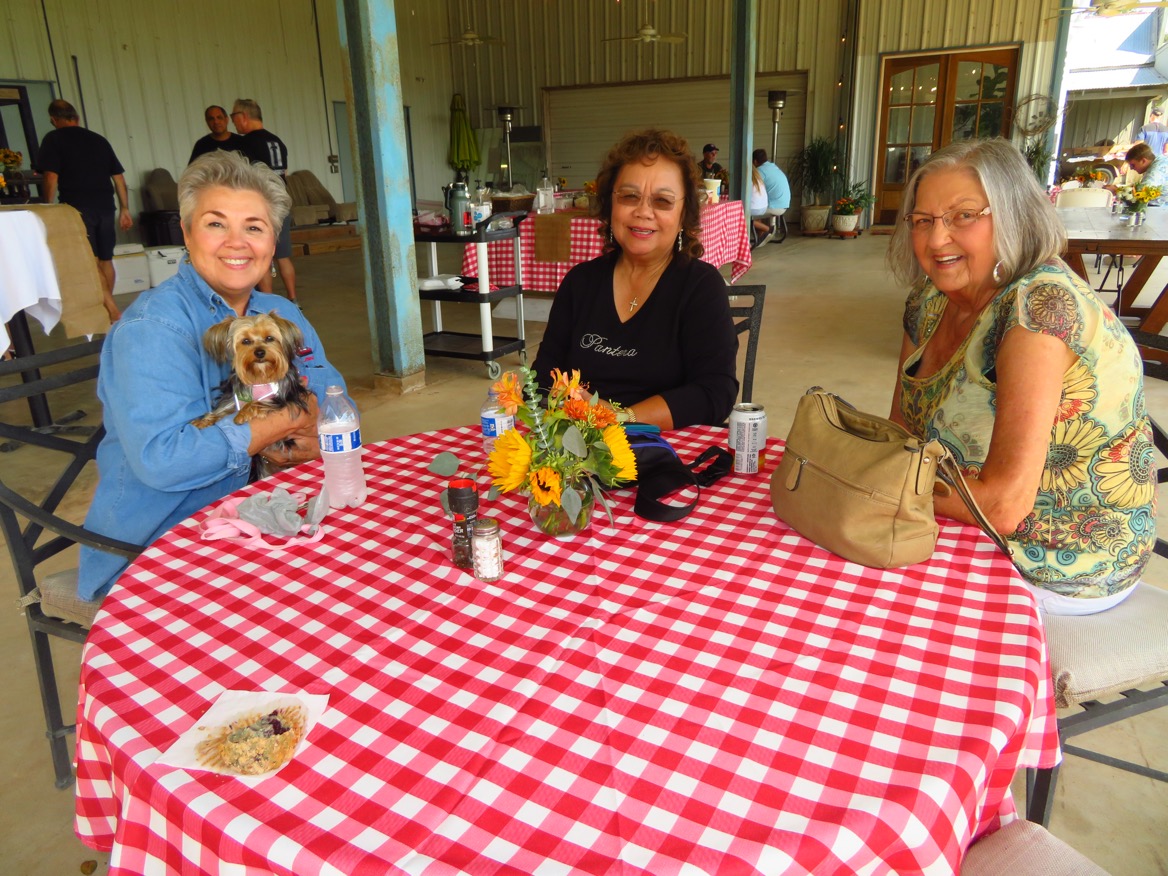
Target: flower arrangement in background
<point x="1135" y="199"/>
<point x="569" y="450"/>
<point x="10" y="159"/>
<point x="854" y="199"/>
<point x="1087" y="175"/>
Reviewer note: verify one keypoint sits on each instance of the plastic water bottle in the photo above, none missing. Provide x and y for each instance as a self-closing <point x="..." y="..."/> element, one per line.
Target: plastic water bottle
<point x="339" y="428"/>
<point x="545" y="196"/>
<point x="495" y="421"/>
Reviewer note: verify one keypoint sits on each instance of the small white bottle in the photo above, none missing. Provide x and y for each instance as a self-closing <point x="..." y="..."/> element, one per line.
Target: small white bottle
<point x="487" y="550"/>
<point x="480" y="207"/>
<point x="495" y="421"/>
<point x="545" y="196"/>
<point x="339" y="429"/>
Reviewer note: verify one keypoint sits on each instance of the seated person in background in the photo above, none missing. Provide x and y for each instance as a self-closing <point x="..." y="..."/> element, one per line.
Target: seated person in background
<point x="155" y="468"/>
<point x="647" y="323"/>
<point x="1152" y="168"/>
<point x="708" y="167"/>
<point x="778" y="190"/>
<point x="758" y="204"/>
<point x="1035" y="386"/>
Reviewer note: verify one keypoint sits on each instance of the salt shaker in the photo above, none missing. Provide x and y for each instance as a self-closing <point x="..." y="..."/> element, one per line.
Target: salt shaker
<point x="464" y="505"/>
<point x="487" y="547"/>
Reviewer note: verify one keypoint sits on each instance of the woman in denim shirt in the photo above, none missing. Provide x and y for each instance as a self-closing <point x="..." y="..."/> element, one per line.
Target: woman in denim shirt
<point x="155" y="468"/>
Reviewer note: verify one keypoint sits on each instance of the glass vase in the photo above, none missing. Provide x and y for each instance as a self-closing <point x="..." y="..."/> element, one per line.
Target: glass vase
<point x="553" y="520"/>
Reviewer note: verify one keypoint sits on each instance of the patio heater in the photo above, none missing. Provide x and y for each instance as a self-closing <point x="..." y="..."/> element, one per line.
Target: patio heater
<point x="505" y="114"/>
<point x="776" y="100"/>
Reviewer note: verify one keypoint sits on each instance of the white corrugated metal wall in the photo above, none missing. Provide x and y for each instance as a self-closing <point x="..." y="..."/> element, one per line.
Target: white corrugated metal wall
<point x="142" y="72"/>
<point x="147" y="69"/>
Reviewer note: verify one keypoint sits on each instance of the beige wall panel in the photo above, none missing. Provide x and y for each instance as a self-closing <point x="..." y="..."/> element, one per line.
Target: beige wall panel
<point x="925" y="26"/>
<point x="145" y="71"/>
<point x="583" y="123"/>
<point x="24" y="50"/>
<point x="1115" y="118"/>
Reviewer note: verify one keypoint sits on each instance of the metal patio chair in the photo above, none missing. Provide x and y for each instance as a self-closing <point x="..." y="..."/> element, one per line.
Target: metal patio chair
<point x="34" y="531"/>
<point x="747" y="318"/>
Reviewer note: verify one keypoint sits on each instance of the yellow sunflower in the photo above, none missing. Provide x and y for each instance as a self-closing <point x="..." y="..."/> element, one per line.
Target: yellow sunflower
<point x="1078" y="393"/>
<point x="510" y="461"/>
<point x="545" y="485"/>
<point x="1073" y="444"/>
<point x="622" y="455"/>
<point x="1126" y="471"/>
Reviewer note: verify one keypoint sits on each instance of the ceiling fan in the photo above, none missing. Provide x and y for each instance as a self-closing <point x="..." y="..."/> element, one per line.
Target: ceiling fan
<point x="1111" y="8"/>
<point x="470" y="37"/>
<point x="648" y="34"/>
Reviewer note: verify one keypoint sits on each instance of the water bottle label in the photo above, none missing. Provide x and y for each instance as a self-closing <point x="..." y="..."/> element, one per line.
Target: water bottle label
<point x="340" y="443"/>
<point x="495" y="425"/>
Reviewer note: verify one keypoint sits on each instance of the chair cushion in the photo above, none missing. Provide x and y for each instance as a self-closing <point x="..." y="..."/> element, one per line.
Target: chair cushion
<point x="1099" y="654"/>
<point x="59" y="599"/>
<point x="1025" y="847"/>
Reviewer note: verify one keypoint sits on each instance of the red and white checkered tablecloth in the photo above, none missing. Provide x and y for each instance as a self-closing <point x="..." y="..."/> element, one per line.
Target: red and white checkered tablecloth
<point x="716" y="695"/>
<point x="725" y="238"/>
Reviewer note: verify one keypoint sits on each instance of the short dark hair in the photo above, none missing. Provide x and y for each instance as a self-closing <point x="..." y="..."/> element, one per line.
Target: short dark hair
<point x="207" y="111"/>
<point x="646" y="146"/>
<point x="1140" y="152"/>
<point x="758" y="156"/>
<point x="62" y="109"/>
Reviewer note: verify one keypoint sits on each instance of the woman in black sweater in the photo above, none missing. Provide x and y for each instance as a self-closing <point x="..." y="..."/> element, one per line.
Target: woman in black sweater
<point x="648" y="323"/>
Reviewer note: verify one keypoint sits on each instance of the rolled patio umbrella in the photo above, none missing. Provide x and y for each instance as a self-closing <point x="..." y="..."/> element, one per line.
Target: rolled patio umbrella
<point x="464" y="145"/>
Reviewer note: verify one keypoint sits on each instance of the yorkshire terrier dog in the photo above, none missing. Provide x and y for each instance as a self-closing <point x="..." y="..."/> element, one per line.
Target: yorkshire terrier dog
<point x="262" y="351"/>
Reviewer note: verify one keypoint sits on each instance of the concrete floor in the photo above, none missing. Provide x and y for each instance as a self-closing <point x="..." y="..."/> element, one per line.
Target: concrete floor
<point x="832" y="317"/>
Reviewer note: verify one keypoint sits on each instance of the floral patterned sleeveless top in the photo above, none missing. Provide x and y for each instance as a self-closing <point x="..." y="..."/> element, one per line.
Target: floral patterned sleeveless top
<point x="1094" y="520"/>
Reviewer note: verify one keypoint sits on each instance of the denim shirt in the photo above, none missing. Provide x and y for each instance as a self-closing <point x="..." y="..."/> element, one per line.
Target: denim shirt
<point x="1157" y="175"/>
<point x="155" y="468"/>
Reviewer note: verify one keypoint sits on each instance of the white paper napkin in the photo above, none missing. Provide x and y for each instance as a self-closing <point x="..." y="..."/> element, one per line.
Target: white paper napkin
<point x="231" y="705"/>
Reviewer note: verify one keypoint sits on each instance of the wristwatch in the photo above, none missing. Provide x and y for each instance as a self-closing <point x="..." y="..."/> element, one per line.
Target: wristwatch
<point x="626" y="415"/>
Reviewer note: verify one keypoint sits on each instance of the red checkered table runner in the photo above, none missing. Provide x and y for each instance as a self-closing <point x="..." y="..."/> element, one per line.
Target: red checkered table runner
<point x="715" y="695"/>
<point x="724" y="236"/>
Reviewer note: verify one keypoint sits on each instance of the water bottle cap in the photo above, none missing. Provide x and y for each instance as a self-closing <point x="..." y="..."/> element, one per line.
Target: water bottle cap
<point x="335" y="390"/>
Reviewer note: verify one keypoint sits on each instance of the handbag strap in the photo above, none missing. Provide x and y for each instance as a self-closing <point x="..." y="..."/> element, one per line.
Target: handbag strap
<point x="950" y="473"/>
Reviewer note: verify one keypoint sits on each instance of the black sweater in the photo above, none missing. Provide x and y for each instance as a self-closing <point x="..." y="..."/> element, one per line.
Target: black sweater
<point x="680" y="344"/>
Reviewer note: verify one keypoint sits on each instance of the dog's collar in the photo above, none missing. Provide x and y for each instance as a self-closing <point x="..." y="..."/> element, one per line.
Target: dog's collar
<point x="245" y="393"/>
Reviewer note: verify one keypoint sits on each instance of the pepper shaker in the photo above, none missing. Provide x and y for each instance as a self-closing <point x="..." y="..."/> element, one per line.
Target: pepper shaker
<point x="464" y="505"/>
<point x="487" y="548"/>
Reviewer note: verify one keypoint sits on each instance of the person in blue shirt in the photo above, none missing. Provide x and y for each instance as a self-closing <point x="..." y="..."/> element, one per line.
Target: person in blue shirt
<point x="156" y="468"/>
<point x="1152" y="168"/>
<point x="778" y="192"/>
<point x="1155" y="133"/>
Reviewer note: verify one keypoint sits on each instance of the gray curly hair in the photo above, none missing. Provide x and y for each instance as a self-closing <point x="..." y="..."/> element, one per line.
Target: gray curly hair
<point x="1027" y="230"/>
<point x="233" y="171"/>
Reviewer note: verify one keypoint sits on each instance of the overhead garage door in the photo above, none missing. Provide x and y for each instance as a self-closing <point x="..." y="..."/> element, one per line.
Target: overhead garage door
<point x="582" y="124"/>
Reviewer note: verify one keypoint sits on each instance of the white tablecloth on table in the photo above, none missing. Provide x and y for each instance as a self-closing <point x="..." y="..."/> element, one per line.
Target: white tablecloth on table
<point x="28" y="280"/>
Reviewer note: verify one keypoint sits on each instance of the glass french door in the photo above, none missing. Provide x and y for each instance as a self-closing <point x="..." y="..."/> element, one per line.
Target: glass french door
<point x="928" y="101"/>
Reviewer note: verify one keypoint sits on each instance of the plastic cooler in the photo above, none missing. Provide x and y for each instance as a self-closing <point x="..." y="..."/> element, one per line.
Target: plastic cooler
<point x="131" y="270"/>
<point x="163" y="262"/>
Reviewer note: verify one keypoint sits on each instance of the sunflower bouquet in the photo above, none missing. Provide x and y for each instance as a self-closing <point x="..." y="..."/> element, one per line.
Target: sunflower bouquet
<point x="1135" y="199"/>
<point x="570" y="449"/>
<point x="10" y="159"/>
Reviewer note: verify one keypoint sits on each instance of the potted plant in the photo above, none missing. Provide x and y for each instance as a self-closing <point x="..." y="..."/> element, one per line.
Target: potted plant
<point x="816" y="169"/>
<point x="848" y="207"/>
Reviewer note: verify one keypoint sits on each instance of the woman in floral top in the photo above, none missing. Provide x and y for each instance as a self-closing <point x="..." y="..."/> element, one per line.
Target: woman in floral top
<point x="1030" y="380"/>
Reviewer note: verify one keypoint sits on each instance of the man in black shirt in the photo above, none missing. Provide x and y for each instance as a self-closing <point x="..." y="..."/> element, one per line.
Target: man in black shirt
<point x="219" y="138"/>
<point x="265" y="147"/>
<point x="81" y="166"/>
<point x="708" y="167"/>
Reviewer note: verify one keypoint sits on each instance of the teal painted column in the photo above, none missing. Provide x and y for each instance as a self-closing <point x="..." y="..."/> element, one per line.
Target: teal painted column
<point x="743" y="60"/>
<point x="368" y="31"/>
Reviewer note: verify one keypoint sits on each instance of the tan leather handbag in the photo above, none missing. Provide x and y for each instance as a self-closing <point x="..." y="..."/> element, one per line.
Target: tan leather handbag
<point x="862" y="486"/>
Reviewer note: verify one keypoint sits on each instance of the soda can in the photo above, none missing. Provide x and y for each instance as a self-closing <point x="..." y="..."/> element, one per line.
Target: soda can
<point x="748" y="435"/>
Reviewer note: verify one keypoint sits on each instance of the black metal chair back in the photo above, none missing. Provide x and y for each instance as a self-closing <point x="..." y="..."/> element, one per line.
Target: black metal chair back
<point x="32" y="529"/>
<point x="747" y="318"/>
